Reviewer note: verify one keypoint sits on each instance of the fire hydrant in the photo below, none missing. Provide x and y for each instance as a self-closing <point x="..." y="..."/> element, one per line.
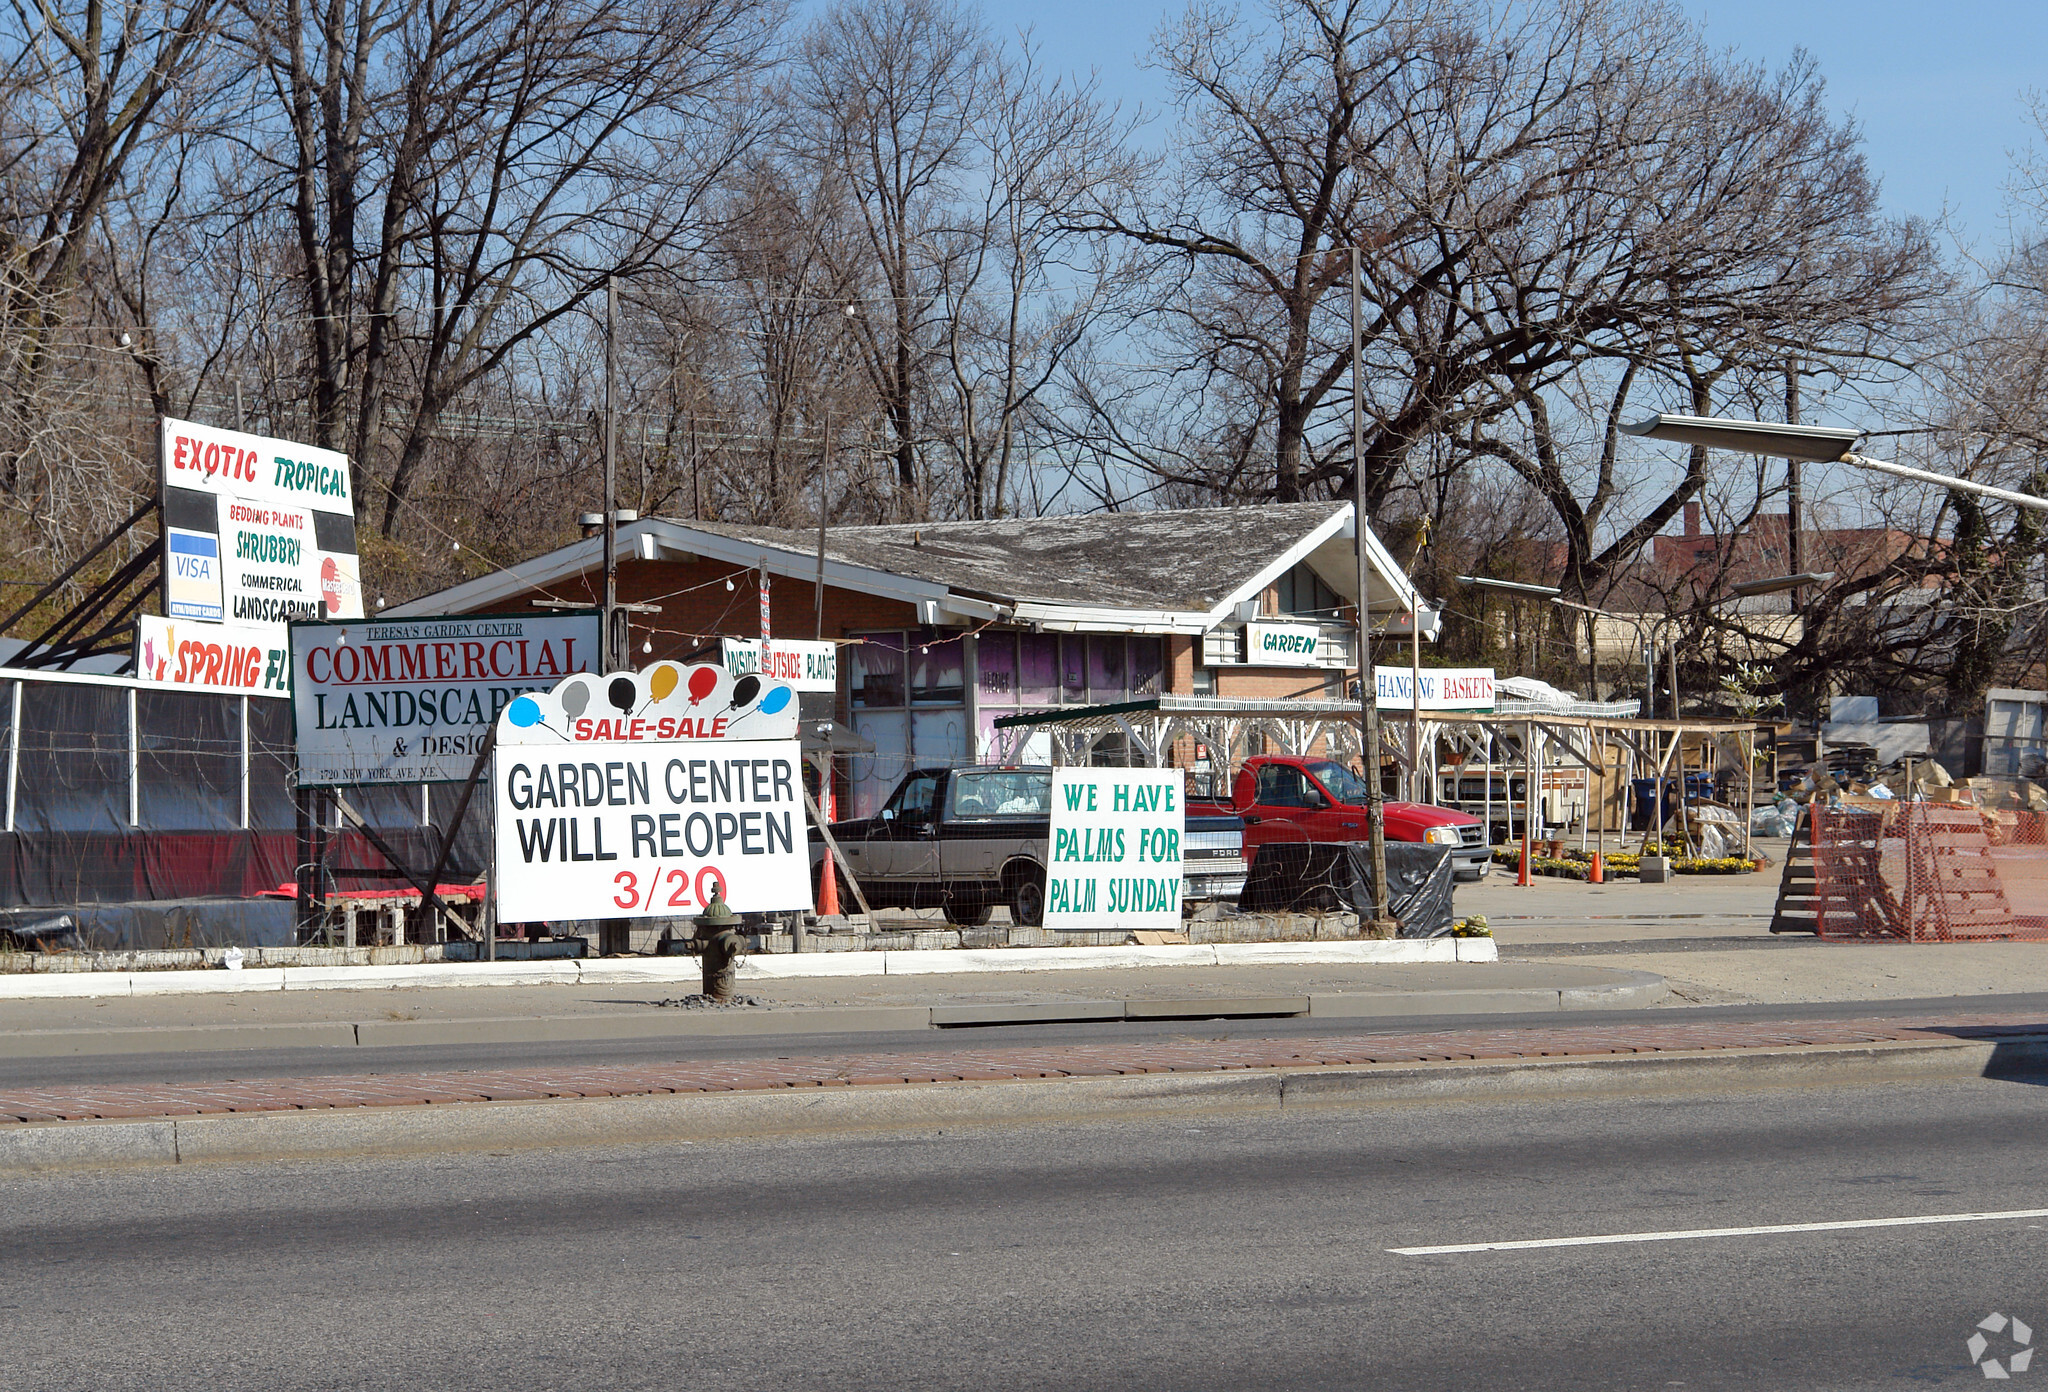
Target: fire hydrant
<point x="720" y="943"/>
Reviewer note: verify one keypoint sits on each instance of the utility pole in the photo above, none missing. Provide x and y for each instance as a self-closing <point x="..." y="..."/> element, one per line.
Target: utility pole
<point x="824" y="486"/>
<point x="1416" y="776"/>
<point x="614" y="935"/>
<point x="1368" y="698"/>
<point x="614" y="647"/>
<point x="1795" y="552"/>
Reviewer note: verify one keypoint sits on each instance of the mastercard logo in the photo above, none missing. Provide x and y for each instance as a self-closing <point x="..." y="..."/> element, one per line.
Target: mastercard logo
<point x="330" y="584"/>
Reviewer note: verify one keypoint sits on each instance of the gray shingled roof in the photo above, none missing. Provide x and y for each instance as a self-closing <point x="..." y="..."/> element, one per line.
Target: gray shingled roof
<point x="1185" y="559"/>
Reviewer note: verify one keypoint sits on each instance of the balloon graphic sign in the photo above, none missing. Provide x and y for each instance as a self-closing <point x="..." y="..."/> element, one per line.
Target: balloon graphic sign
<point x="649" y="795"/>
<point x="703" y="681"/>
<point x="665" y="702"/>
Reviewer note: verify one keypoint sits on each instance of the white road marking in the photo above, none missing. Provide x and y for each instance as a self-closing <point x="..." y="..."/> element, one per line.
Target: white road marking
<point x="1682" y="1234"/>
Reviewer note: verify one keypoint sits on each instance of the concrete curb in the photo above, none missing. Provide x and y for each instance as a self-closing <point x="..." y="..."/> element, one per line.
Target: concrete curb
<point x="759" y="967"/>
<point x="264" y="1137"/>
<point x="1636" y="990"/>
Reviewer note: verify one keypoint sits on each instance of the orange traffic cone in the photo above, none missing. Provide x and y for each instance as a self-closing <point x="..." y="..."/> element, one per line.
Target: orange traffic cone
<point x="1599" y="873"/>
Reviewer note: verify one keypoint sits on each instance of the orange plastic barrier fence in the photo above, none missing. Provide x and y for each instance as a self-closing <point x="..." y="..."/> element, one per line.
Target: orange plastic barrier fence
<point x="1931" y="872"/>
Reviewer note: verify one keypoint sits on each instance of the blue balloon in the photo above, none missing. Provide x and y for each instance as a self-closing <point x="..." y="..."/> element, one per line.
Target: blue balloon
<point x="774" y="700"/>
<point x="524" y="712"/>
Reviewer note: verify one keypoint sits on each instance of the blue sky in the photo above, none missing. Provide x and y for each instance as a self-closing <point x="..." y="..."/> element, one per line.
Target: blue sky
<point x="1937" y="87"/>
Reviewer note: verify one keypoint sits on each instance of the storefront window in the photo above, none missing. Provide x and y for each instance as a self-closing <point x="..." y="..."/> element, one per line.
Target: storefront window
<point x="1148" y="665"/>
<point x="1038" y="669"/>
<point x="1106" y="669"/>
<point x="938" y="673"/>
<point x="1074" y="670"/>
<point x="995" y="660"/>
<point x="877" y="671"/>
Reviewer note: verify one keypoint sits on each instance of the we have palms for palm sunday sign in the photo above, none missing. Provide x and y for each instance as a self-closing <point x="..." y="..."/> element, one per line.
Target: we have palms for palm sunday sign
<point x="1115" y="855"/>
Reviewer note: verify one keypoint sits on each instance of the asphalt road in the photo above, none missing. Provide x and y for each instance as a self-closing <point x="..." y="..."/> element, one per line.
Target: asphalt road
<point x="1247" y="1253"/>
<point x="288" y="1063"/>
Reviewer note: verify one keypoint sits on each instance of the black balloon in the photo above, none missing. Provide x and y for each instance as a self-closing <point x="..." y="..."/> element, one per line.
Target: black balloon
<point x="622" y="692"/>
<point x="745" y="690"/>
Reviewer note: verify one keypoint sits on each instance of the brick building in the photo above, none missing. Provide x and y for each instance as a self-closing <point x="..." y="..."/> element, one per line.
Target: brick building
<point x="945" y="627"/>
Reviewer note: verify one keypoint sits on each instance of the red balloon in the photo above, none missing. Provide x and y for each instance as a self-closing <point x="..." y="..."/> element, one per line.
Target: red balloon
<point x="702" y="679"/>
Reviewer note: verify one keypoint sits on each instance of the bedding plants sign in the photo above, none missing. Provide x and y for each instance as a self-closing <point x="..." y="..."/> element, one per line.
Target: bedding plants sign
<point x="1115" y="857"/>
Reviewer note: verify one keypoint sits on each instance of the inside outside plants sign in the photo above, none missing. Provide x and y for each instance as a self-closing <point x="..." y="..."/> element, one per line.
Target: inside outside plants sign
<point x="804" y="666"/>
<point x="256" y="531"/>
<point x="1115" y="855"/>
<point x="411" y="700"/>
<point x="641" y="795"/>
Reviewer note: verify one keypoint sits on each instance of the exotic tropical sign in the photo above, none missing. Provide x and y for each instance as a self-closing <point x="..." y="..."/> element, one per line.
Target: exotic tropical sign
<point x="411" y="700"/>
<point x="1441" y="688"/>
<point x="1115" y="854"/>
<point x="236" y="658"/>
<point x="641" y="795"/>
<point x="256" y="531"/>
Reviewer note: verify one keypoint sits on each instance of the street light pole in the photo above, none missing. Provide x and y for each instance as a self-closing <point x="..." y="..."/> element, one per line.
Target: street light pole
<point x="1368" y="695"/>
<point x="614" y="650"/>
<point x="1817" y="443"/>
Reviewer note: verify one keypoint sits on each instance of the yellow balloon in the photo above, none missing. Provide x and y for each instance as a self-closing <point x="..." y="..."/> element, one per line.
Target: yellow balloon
<point x="663" y="681"/>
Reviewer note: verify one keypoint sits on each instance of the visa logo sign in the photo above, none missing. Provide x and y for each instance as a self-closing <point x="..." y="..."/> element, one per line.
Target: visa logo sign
<point x="192" y="567"/>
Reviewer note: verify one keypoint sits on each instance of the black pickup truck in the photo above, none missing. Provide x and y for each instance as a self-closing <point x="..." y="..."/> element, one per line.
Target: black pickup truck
<point x="967" y="839"/>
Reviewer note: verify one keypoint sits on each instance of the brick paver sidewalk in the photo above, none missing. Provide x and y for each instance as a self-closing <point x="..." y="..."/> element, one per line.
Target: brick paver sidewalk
<point x="967" y="1065"/>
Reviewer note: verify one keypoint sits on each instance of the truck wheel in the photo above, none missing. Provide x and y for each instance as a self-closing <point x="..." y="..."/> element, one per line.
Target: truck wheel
<point x="1027" y="902"/>
<point x="964" y="912"/>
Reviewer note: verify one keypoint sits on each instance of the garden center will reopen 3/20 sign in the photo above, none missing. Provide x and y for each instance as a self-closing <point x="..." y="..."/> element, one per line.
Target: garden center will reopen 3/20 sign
<point x="1115" y="859"/>
<point x="640" y="795"/>
<point x="411" y="700"/>
<point x="256" y="531"/>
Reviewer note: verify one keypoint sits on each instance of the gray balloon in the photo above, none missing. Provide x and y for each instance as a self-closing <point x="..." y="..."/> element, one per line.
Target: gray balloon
<point x="575" y="698"/>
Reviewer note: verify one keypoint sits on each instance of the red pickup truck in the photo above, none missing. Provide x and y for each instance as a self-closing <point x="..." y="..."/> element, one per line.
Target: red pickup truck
<point x="1283" y="798"/>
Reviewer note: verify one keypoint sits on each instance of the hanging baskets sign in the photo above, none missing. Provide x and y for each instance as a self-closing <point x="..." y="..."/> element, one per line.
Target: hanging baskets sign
<point x="641" y="794"/>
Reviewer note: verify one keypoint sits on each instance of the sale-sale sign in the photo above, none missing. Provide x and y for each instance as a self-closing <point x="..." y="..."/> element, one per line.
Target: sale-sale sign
<point x="644" y="795"/>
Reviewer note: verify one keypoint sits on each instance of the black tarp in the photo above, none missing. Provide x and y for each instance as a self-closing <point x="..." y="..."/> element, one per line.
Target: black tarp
<point x="72" y="843"/>
<point x="1300" y="875"/>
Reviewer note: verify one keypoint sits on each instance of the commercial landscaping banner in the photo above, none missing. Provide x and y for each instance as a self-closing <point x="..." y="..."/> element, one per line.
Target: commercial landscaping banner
<point x="410" y="700"/>
<point x="641" y="795"/>
<point x="1115" y="856"/>
<point x="256" y="531"/>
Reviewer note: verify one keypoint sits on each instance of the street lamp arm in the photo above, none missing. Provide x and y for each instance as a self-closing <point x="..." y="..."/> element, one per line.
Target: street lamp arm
<point x="1819" y="443"/>
<point x="1885" y="466"/>
<point x="1629" y="619"/>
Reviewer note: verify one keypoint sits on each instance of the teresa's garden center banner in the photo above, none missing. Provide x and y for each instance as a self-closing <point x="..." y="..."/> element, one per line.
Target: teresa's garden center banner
<point x="640" y="795"/>
<point x="1116" y="850"/>
<point x="410" y="700"/>
<point x="256" y="531"/>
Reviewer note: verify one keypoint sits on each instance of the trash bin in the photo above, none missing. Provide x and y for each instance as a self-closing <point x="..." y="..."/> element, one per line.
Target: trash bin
<point x="1642" y="804"/>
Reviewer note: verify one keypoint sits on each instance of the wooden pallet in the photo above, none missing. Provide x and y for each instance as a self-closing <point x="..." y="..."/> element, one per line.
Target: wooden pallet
<point x="1798" y="906"/>
<point x="1956" y="889"/>
<point x="1838" y="892"/>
